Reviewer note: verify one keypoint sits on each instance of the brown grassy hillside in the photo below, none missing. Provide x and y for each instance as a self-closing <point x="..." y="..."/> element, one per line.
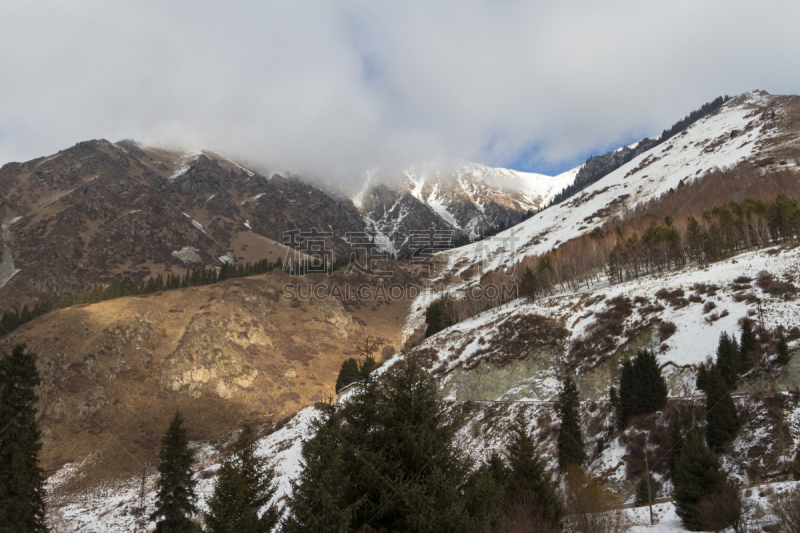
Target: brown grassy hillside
<point x="115" y="372"/>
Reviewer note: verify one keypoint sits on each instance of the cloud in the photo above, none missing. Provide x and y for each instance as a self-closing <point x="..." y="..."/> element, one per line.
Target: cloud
<point x="331" y="88"/>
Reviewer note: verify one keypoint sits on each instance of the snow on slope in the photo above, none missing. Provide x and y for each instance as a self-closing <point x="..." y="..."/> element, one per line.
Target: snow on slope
<point x="113" y="507"/>
<point x="465" y="343"/>
<point x="701" y="147"/>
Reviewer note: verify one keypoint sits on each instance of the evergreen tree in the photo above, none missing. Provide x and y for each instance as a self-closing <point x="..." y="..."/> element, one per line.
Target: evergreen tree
<point x="21" y="478"/>
<point x="677" y="442"/>
<point x="702" y="378"/>
<point x="67" y="300"/>
<point x="526" y="476"/>
<point x="748" y="344"/>
<point x="348" y="373"/>
<point x="245" y="484"/>
<point x="570" y="440"/>
<point x="83" y="297"/>
<point x="319" y="503"/>
<point x="391" y="454"/>
<point x="729" y="360"/>
<point x="25" y="314"/>
<point x="782" y="349"/>
<point x="527" y="284"/>
<point x="642" y="388"/>
<point x="627" y="400"/>
<point x="697" y="475"/>
<point x="96" y="294"/>
<point x="721" y="417"/>
<point x="642" y="496"/>
<point x="175" y="497"/>
<point x="650" y="388"/>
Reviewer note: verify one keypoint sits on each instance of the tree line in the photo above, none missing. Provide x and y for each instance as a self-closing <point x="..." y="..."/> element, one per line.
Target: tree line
<point x="99" y="292"/>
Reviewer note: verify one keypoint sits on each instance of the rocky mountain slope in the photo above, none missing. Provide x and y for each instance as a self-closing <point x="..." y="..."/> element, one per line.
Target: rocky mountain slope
<point x="99" y="210"/>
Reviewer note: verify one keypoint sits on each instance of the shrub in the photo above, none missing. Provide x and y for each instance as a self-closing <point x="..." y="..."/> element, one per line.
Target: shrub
<point x="722" y="510"/>
<point x="787" y="510"/>
<point x="666" y="330"/>
<point x="709" y="306"/>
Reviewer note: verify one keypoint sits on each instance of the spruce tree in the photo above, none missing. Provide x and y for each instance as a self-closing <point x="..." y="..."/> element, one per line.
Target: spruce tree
<point x="748" y="344"/>
<point x="526" y="476"/>
<point x="319" y="501"/>
<point x="627" y="399"/>
<point x="729" y="360"/>
<point x="570" y="439"/>
<point x="245" y="484"/>
<point x="392" y="452"/>
<point x="21" y="479"/>
<point x="642" y="496"/>
<point x="721" y="417"/>
<point x="348" y="373"/>
<point x="67" y="300"/>
<point x="25" y="314"/>
<point x="650" y="388"/>
<point x="677" y="442"/>
<point x="697" y="475"/>
<point x="175" y="498"/>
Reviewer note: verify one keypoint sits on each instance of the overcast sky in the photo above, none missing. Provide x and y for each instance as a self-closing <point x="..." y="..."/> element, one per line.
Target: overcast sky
<point x="331" y="88"/>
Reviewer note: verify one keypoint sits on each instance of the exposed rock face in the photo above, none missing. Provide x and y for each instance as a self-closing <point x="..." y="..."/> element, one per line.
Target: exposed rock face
<point x="533" y="377"/>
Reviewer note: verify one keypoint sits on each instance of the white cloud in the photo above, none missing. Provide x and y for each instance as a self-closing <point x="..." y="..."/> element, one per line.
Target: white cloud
<point x="333" y="84"/>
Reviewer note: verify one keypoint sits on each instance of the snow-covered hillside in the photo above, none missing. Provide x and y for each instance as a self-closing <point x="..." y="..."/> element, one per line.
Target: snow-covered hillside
<point x="739" y="130"/>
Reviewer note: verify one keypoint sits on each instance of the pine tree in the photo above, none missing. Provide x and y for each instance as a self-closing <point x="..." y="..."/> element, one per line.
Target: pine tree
<point x="21" y="479"/>
<point x="748" y="344"/>
<point x="729" y="360"/>
<point x="319" y="503"/>
<point x="245" y="484"/>
<point x="348" y="373"/>
<point x="697" y="475"/>
<point x="642" y="496"/>
<point x="570" y="439"/>
<point x="721" y="417"/>
<point x="67" y="300"/>
<point x="782" y="349"/>
<point x="526" y="475"/>
<point x="175" y="498"/>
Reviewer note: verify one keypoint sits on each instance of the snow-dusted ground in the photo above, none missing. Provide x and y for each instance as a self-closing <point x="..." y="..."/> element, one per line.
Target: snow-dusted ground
<point x="114" y="507"/>
<point x="695" y="338"/>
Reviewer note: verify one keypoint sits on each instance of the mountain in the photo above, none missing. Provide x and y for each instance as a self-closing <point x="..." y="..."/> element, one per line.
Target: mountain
<point x="754" y="127"/>
<point x="495" y="363"/>
<point x="466" y="198"/>
<point x="100" y="210"/>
